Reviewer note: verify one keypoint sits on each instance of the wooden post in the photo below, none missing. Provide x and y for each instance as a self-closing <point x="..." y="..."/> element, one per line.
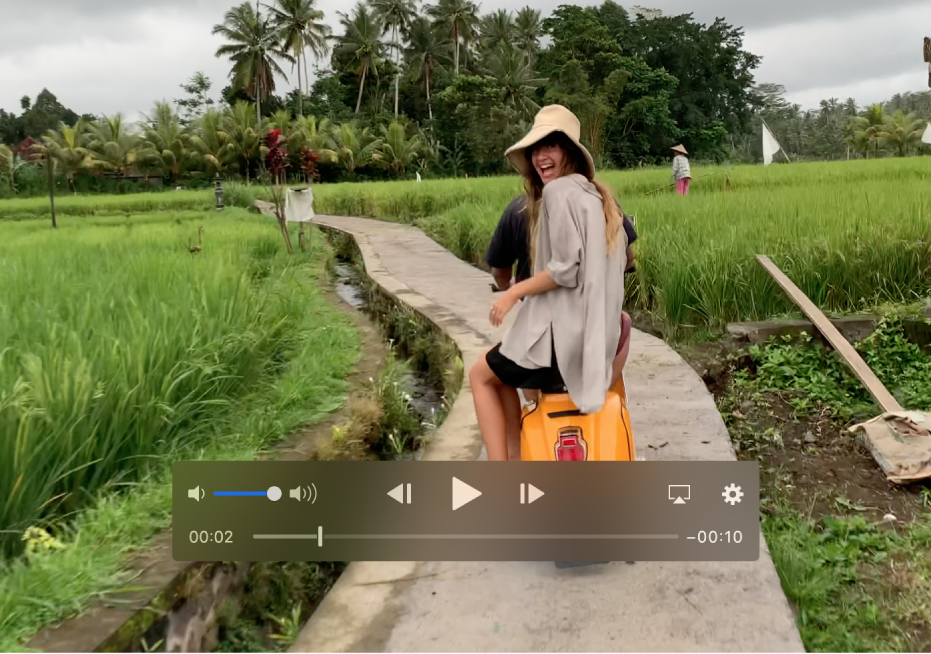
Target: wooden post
<point x="50" y="172"/>
<point x="850" y="356"/>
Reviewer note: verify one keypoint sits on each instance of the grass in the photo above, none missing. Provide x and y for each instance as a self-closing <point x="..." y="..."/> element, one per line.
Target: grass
<point x="142" y="354"/>
<point x="857" y="583"/>
<point x="856" y="586"/>
<point x="851" y="235"/>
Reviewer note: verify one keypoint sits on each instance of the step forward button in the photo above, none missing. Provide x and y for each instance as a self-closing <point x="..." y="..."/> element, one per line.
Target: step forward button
<point x="463" y="493"/>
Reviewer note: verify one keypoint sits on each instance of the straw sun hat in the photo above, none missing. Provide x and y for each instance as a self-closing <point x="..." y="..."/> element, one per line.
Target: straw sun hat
<point x="679" y="148"/>
<point x="550" y="119"/>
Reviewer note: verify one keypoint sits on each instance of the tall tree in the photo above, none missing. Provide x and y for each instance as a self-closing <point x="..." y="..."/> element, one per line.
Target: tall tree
<point x="496" y="31"/>
<point x="457" y="19"/>
<point x="352" y="148"/>
<point x="166" y="141"/>
<point x="714" y="73"/>
<point x="115" y="143"/>
<point x="43" y="115"/>
<point x="362" y="44"/>
<point x="901" y="131"/>
<point x="242" y="135"/>
<point x="209" y="140"/>
<point x="67" y="146"/>
<point x="301" y="28"/>
<point x="399" y="151"/>
<point x="426" y="55"/>
<point x="254" y="45"/>
<point x="529" y="28"/>
<point x="198" y="97"/>
<point x="395" y="16"/>
<point x="865" y="129"/>
<point x="514" y="71"/>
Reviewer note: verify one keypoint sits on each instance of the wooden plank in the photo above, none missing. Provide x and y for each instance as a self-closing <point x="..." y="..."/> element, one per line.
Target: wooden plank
<point x="853" y="360"/>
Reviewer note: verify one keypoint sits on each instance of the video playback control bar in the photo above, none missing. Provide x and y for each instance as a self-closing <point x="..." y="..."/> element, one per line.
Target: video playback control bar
<point x="465" y="511"/>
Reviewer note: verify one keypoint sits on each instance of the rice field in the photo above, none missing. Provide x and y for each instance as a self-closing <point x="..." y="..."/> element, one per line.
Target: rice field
<point x="120" y="349"/>
<point x="852" y="235"/>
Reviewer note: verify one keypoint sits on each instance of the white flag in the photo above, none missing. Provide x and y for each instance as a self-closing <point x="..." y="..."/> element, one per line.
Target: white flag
<point x="927" y="135"/>
<point x="770" y="146"/>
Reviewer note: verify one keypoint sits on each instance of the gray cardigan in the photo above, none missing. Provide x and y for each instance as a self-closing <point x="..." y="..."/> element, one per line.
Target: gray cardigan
<point x="581" y="318"/>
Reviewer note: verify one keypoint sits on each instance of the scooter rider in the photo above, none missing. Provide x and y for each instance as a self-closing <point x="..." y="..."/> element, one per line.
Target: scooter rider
<point x="569" y="324"/>
<point x="510" y="244"/>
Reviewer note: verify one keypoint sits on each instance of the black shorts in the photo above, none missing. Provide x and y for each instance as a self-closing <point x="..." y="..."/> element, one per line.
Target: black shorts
<point x="548" y="380"/>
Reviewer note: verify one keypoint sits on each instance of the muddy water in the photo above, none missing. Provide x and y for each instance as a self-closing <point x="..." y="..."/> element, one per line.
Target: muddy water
<point x="427" y="400"/>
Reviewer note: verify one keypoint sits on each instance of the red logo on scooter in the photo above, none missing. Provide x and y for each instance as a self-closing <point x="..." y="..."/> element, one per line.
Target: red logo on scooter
<point x="570" y="446"/>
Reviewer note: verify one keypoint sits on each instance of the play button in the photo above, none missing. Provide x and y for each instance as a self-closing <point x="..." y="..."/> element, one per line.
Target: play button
<point x="463" y="493"/>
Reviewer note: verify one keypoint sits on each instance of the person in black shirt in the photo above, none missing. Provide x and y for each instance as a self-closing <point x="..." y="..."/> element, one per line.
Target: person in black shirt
<point x="510" y="244"/>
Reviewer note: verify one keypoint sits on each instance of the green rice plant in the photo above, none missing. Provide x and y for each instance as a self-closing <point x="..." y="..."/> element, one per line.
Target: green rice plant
<point x="119" y="347"/>
<point x="851" y="235"/>
<point x="90" y="205"/>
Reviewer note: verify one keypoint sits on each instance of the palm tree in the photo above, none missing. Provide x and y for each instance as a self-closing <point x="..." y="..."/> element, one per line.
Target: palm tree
<point x="166" y="140"/>
<point x="114" y="143"/>
<point x="362" y="43"/>
<point x="398" y="151"/>
<point x="426" y="55"/>
<point x="865" y="129"/>
<point x="301" y="27"/>
<point x="497" y="30"/>
<point x="352" y="148"/>
<point x="529" y="28"/>
<point x="514" y="71"/>
<point x="280" y="120"/>
<point x="308" y="133"/>
<point x="458" y="19"/>
<point x="67" y="146"/>
<point x="395" y="16"/>
<point x="901" y="131"/>
<point x="254" y="46"/>
<point x="242" y="135"/>
<point x="209" y="140"/>
<point x="7" y="168"/>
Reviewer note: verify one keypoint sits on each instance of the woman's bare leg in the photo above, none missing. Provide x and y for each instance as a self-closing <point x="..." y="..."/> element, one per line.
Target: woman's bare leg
<point x="510" y="400"/>
<point x="621" y="358"/>
<point x="490" y="410"/>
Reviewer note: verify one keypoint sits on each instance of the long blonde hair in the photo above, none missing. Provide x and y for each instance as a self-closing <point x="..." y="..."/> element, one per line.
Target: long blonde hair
<point x="573" y="162"/>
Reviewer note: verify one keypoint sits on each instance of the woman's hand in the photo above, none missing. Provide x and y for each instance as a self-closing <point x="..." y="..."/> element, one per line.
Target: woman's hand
<point x="502" y="306"/>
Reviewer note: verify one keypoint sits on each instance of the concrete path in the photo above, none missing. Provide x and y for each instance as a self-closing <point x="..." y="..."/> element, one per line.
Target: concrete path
<point x="522" y="607"/>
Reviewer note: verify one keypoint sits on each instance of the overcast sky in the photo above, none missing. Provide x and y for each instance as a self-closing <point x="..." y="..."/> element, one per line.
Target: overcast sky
<point x="104" y="56"/>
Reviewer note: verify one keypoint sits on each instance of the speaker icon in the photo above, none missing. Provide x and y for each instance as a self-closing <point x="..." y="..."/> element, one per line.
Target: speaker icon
<point x="304" y="493"/>
<point x="196" y="493"/>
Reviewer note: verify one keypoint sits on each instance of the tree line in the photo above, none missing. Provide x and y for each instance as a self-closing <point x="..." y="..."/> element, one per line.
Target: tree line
<point x="838" y="130"/>
<point x="442" y="89"/>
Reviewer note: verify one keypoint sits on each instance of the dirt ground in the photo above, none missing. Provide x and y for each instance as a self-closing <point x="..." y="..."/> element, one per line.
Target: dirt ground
<point x="820" y="467"/>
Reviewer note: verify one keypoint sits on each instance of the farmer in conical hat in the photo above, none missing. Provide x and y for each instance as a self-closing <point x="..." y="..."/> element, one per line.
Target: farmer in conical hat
<point x="568" y="328"/>
<point x="681" y="173"/>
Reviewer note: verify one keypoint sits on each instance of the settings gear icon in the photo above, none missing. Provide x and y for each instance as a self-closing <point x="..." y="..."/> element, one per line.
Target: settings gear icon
<point x="732" y="494"/>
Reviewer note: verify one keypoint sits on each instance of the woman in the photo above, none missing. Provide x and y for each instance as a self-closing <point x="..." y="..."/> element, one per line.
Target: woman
<point x="569" y="325"/>
<point x="681" y="172"/>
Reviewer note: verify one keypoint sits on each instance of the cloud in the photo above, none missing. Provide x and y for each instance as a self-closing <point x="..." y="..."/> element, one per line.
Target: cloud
<point x="853" y="52"/>
<point x="104" y="56"/>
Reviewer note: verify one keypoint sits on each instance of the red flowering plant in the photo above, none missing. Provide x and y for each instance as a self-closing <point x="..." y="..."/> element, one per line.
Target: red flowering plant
<point x="309" y="162"/>
<point x="276" y="158"/>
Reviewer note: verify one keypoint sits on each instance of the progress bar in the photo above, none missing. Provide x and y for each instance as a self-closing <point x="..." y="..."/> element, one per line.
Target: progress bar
<point x="319" y="536"/>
